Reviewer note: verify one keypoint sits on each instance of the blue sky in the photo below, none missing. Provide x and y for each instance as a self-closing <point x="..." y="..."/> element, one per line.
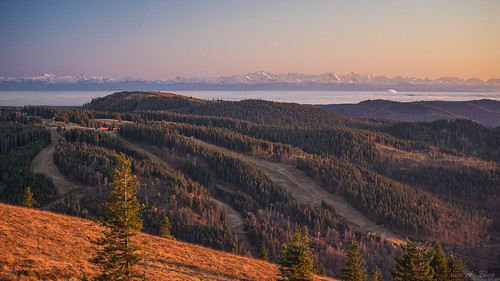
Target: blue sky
<point x="164" y="39"/>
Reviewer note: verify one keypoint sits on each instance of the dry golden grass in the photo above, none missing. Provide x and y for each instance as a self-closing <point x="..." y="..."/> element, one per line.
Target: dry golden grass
<point x="40" y="245"/>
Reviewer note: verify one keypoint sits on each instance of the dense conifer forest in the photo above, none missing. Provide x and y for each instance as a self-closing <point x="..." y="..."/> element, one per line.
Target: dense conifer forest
<point x="429" y="181"/>
<point x="22" y="138"/>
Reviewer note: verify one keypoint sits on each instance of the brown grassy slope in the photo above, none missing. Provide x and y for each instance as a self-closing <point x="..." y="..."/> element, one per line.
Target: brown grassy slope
<point x="43" y="245"/>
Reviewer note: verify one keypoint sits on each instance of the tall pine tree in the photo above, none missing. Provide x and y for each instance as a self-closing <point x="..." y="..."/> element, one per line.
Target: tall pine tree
<point x="456" y="268"/>
<point x="439" y="263"/>
<point x="354" y="269"/>
<point x="414" y="264"/>
<point x="119" y="256"/>
<point x="296" y="263"/>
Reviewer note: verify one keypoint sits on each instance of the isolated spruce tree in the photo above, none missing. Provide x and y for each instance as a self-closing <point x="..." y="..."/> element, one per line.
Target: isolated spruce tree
<point x="376" y="275"/>
<point x="414" y="264"/>
<point x="456" y="269"/>
<point x="296" y="263"/>
<point x="119" y="256"/>
<point x="263" y="255"/>
<point x="354" y="270"/>
<point x="28" y="200"/>
<point x="439" y="263"/>
<point x="165" y="229"/>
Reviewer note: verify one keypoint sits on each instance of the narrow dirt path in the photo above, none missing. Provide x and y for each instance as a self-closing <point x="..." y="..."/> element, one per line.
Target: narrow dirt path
<point x="306" y="190"/>
<point x="234" y="219"/>
<point x="141" y="149"/>
<point x="235" y="222"/>
<point x="44" y="163"/>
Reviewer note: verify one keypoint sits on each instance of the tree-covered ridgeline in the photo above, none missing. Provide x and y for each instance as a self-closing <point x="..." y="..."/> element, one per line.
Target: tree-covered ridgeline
<point x="257" y="111"/>
<point x="130" y="101"/>
<point x="86" y="118"/>
<point x="229" y="139"/>
<point x="400" y="207"/>
<point x="418" y="213"/>
<point x="462" y="136"/>
<point x="195" y="217"/>
<point x="251" y="183"/>
<point x="12" y="115"/>
<point x="246" y="189"/>
<point x="266" y="131"/>
<point x="351" y="144"/>
<point x="459" y="136"/>
<point x="15" y="137"/>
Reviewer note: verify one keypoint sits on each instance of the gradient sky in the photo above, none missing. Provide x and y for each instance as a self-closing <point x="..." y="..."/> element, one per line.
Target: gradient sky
<point x="164" y="39"/>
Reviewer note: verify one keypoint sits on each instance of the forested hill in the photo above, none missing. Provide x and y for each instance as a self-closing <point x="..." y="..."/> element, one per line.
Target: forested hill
<point x="141" y="100"/>
<point x="461" y="135"/>
<point x="485" y="111"/>
<point x="257" y="111"/>
<point x="429" y="181"/>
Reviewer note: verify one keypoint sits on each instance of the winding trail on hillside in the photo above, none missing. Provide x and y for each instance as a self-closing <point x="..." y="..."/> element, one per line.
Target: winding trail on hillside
<point x="44" y="163"/>
<point x="234" y="219"/>
<point x="307" y="190"/>
<point x="235" y="222"/>
<point x="301" y="186"/>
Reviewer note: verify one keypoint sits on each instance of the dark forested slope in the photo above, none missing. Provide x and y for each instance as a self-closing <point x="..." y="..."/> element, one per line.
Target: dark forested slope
<point x="257" y="111"/>
<point x="486" y="112"/>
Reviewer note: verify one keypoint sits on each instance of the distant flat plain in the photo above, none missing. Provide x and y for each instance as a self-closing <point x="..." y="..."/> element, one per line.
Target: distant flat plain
<point x="78" y="98"/>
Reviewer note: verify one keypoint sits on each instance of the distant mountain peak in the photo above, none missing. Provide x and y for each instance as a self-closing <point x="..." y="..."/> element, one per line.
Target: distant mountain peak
<point x="260" y="80"/>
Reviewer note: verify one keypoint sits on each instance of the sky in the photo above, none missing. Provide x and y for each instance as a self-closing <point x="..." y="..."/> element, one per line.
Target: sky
<point x="189" y="38"/>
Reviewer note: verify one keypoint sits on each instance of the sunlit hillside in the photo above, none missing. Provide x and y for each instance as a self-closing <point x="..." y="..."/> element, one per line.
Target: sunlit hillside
<point x="40" y="245"/>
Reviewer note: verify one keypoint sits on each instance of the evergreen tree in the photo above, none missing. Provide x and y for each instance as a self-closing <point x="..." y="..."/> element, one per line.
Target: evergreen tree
<point x="456" y="268"/>
<point x="414" y="264"/>
<point x="28" y="200"/>
<point x="119" y="255"/>
<point x="439" y="263"/>
<point x="165" y="229"/>
<point x="263" y="255"/>
<point x="354" y="270"/>
<point x="376" y="275"/>
<point x="296" y="263"/>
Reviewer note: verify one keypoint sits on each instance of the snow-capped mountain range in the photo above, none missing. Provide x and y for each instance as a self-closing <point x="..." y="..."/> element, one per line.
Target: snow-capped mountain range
<point x="259" y="80"/>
